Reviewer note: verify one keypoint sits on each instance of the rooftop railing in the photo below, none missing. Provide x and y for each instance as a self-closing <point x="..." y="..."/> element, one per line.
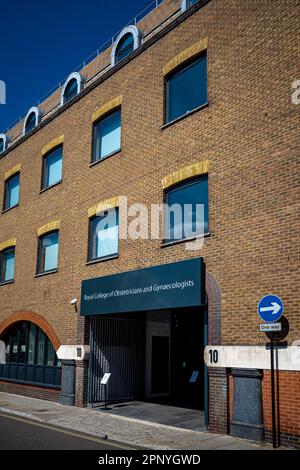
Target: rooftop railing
<point x="105" y="46"/>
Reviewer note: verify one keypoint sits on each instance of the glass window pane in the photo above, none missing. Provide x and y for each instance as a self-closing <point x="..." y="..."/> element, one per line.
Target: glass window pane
<point x="50" y="251"/>
<point x="8" y="269"/>
<point x="1" y="145"/>
<point x="71" y="90"/>
<point x="41" y="348"/>
<point x="31" y="343"/>
<point x="187" y="89"/>
<point x="104" y="235"/>
<point x="14" y="345"/>
<point x="108" y="136"/>
<point x="107" y="242"/>
<point x="12" y="192"/>
<point x="189" y="220"/>
<point x="53" y="168"/>
<point x="7" y="352"/>
<point x="22" y="343"/>
<point x="125" y="47"/>
<point x="30" y="123"/>
<point x="50" y="354"/>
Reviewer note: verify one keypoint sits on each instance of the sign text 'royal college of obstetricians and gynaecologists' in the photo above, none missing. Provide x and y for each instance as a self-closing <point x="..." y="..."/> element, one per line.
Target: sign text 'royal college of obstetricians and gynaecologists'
<point x="172" y="285"/>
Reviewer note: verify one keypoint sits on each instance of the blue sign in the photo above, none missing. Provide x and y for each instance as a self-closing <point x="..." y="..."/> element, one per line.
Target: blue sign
<point x="270" y="308"/>
<point x="180" y="284"/>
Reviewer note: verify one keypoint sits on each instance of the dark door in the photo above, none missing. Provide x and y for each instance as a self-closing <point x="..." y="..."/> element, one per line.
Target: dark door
<point x="160" y="365"/>
<point x="187" y="346"/>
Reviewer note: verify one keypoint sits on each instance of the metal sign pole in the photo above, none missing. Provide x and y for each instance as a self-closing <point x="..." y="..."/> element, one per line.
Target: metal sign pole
<point x="104" y="382"/>
<point x="273" y="390"/>
<point x="105" y="396"/>
<point x="270" y="308"/>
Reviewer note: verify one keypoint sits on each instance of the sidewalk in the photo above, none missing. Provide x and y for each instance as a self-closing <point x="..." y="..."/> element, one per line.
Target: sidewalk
<point x="119" y="428"/>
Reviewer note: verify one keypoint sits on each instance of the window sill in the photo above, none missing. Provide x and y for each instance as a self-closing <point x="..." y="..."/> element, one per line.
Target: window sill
<point x="10" y="208"/>
<point x="4" y="283"/>
<point x="189" y="113"/>
<point x="93" y="163"/>
<point x="46" y="273"/>
<point x="104" y="258"/>
<point x="43" y="190"/>
<point x="164" y="244"/>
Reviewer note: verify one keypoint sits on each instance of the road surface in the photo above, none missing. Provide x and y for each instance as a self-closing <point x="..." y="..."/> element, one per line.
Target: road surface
<point x="17" y="433"/>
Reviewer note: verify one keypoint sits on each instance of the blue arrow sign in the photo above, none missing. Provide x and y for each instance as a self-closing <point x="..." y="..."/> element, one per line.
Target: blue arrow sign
<point x="270" y="308"/>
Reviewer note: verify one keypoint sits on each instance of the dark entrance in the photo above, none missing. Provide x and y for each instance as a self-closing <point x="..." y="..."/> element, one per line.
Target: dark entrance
<point x="160" y="364"/>
<point x="119" y="346"/>
<point x="187" y="363"/>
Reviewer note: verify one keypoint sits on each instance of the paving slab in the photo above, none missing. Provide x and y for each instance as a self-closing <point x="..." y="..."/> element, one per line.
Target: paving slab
<point x="125" y="429"/>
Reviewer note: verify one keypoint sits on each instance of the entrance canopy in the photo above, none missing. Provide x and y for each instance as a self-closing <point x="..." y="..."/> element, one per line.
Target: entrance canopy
<point x="174" y="285"/>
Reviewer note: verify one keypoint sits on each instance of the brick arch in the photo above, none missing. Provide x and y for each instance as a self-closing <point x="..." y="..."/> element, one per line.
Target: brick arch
<point x="33" y="318"/>
<point x="213" y="291"/>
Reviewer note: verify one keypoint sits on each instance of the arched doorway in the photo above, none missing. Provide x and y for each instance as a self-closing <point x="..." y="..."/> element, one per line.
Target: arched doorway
<point x="30" y="356"/>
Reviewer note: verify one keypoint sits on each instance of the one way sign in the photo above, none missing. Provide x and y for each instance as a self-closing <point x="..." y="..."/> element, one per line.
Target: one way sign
<point x="270" y="308"/>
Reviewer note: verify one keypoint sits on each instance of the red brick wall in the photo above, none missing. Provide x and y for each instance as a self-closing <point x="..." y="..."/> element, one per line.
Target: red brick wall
<point x="218" y="401"/>
<point x="30" y="391"/>
<point x="287" y="386"/>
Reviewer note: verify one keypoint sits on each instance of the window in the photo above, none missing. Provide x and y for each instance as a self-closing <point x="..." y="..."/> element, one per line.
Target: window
<point x="48" y="252"/>
<point x="11" y="192"/>
<point x="107" y="136"/>
<point x="187" y="214"/>
<point x="41" y="348"/>
<point x="127" y="41"/>
<point x="7" y="265"/>
<point x="125" y="47"/>
<point x="52" y="168"/>
<point x="70" y="90"/>
<point x="31" y="119"/>
<point x="30" y="122"/>
<point x="186" y="89"/>
<point x="103" y="237"/>
<point x="30" y="356"/>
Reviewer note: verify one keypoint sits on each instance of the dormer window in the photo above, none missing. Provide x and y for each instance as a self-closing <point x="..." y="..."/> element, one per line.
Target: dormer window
<point x="31" y="120"/>
<point x="71" y="87"/>
<point x="128" y="40"/>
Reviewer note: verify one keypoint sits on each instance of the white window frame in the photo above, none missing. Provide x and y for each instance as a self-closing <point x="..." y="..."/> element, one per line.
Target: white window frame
<point x="79" y="80"/>
<point x="137" y="40"/>
<point x="37" y="113"/>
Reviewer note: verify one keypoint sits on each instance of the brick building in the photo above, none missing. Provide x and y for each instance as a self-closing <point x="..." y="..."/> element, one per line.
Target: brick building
<point x="196" y="94"/>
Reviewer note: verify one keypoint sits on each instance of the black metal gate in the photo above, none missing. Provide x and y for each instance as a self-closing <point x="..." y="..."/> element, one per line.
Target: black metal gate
<point x="118" y="347"/>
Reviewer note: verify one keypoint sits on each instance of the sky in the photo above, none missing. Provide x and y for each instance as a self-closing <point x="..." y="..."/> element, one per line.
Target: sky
<point x="43" y="41"/>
